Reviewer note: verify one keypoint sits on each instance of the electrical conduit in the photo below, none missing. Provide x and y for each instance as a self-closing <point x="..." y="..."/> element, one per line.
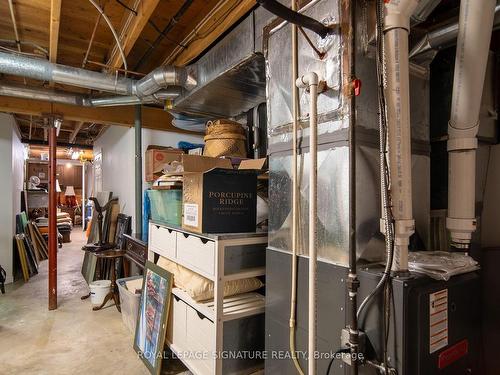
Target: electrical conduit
<point x="310" y="81"/>
<point x="475" y="27"/>
<point x="295" y="194"/>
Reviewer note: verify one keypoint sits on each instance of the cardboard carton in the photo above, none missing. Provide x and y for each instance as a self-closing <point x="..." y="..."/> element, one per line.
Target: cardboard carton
<point x="156" y="158"/>
<point x="217" y="198"/>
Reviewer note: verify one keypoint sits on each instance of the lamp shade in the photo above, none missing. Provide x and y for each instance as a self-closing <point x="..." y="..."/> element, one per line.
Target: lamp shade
<point x="70" y="191"/>
<point x="58" y="187"/>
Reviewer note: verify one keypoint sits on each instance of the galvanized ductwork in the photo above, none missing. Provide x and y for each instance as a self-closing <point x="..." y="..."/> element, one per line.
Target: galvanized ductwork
<point x="62" y="97"/>
<point x="427" y="47"/>
<point x="423" y="10"/>
<point x="163" y="82"/>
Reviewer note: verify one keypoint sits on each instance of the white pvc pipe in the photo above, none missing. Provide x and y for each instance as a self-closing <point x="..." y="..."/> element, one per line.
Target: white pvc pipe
<point x="397" y="94"/>
<point x="474" y="34"/>
<point x="310" y="80"/>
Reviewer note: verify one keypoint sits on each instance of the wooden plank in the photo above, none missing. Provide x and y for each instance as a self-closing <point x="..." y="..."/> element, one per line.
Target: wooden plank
<point x="75" y="131"/>
<point x="132" y="29"/>
<point x="226" y="16"/>
<point x="55" y="20"/>
<point x="152" y="118"/>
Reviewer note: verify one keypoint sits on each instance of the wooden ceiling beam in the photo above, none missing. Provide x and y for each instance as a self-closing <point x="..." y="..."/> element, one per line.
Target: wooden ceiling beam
<point x="75" y="131"/>
<point x="152" y="118"/>
<point x="225" y="17"/>
<point x="132" y="29"/>
<point x="55" y="21"/>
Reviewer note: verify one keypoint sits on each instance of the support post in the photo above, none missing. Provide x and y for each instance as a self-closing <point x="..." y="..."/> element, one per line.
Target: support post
<point x="138" y="169"/>
<point x="52" y="219"/>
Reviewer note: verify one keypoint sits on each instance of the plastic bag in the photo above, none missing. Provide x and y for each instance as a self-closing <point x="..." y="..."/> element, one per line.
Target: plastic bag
<point x="441" y="265"/>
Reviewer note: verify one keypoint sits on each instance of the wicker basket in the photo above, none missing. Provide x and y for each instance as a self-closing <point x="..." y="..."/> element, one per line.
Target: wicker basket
<point x="225" y="138"/>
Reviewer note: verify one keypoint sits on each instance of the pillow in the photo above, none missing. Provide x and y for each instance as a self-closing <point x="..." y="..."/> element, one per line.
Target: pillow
<point x="200" y="288"/>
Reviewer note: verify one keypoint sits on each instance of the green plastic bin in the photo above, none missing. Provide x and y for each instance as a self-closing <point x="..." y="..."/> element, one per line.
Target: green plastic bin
<point x="166" y="206"/>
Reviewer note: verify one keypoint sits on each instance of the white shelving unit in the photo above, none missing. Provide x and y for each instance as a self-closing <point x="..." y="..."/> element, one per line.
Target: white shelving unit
<point x="201" y="333"/>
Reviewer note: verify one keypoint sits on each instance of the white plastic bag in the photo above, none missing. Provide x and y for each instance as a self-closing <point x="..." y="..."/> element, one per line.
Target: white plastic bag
<point x="440" y="265"/>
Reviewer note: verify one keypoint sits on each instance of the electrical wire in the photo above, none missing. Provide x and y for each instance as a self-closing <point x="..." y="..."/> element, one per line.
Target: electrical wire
<point x="385" y="281"/>
<point x="194" y="34"/>
<point x="173" y="21"/>
<point x="334" y="357"/>
<point x="151" y="23"/>
<point x="384" y="168"/>
<point x="386" y="325"/>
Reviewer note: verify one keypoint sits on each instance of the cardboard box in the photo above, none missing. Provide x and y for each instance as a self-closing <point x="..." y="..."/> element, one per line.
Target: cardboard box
<point x="40" y="170"/>
<point x="156" y="158"/>
<point x="219" y="199"/>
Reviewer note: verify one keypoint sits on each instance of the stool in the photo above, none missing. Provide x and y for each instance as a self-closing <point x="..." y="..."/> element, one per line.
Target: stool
<point x="113" y="292"/>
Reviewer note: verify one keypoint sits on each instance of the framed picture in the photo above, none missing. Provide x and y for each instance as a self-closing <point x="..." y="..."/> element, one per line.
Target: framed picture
<point x="151" y="324"/>
<point x="122" y="227"/>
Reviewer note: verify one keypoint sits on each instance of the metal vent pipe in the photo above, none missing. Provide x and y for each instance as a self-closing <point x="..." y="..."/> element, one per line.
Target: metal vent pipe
<point x="36" y="93"/>
<point x="444" y="36"/>
<point x="43" y="70"/>
<point x="423" y="10"/>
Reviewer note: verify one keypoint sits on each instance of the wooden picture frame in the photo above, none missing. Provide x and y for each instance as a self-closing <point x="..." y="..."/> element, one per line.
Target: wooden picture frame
<point x="123" y="226"/>
<point x="151" y="327"/>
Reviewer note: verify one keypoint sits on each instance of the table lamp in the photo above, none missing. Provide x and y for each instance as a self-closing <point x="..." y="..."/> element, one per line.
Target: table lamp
<point x="70" y="196"/>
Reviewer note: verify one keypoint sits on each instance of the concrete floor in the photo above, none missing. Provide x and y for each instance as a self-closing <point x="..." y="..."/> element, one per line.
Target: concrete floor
<point x="70" y="340"/>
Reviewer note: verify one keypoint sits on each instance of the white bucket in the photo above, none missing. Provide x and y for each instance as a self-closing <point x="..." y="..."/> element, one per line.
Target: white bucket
<point x="98" y="291"/>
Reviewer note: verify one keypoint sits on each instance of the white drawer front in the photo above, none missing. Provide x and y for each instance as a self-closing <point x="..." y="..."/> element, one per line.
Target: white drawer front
<point x="196" y="253"/>
<point x="162" y="240"/>
<point x="201" y="341"/>
<point x="176" y="329"/>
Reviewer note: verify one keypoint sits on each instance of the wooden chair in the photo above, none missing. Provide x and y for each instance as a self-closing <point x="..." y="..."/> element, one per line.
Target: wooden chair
<point x="115" y="255"/>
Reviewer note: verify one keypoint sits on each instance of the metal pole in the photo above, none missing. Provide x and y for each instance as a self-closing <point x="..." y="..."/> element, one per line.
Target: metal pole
<point x="352" y="279"/>
<point x="52" y="219"/>
<point x="138" y="169"/>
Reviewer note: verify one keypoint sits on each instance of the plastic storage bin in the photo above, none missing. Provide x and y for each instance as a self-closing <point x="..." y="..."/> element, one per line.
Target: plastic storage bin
<point x="129" y="302"/>
<point x="166" y="206"/>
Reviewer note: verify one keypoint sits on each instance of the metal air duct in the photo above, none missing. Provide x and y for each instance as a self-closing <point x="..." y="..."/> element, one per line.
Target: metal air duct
<point x="36" y="93"/>
<point x="161" y="78"/>
<point x="445" y="36"/>
<point x="423" y="10"/>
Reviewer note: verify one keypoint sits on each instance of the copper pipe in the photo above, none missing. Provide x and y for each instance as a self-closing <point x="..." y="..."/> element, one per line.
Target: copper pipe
<point x="52" y="219"/>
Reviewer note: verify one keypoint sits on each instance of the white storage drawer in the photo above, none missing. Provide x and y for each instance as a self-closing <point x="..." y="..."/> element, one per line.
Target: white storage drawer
<point x="200" y="339"/>
<point x="176" y="329"/>
<point x="163" y="240"/>
<point x="196" y="253"/>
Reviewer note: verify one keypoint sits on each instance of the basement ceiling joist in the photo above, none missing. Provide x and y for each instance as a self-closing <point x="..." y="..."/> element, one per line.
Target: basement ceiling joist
<point x="63" y="31"/>
<point x="152" y="118"/>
